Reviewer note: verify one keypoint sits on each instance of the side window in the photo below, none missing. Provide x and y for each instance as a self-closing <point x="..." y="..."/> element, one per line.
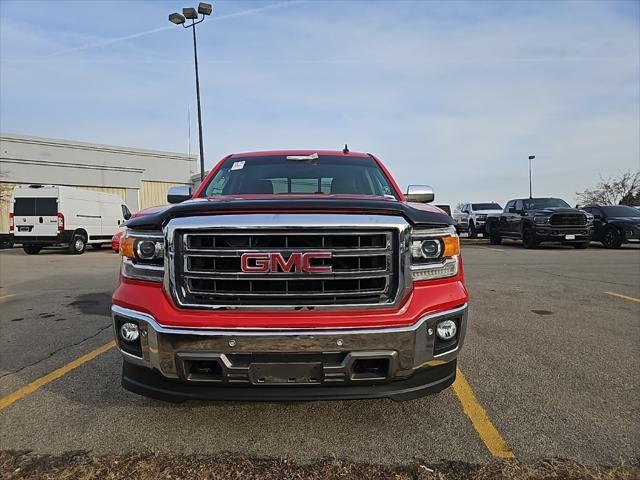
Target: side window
<point x="510" y="206"/>
<point x="519" y="206"/>
<point x="126" y="213"/>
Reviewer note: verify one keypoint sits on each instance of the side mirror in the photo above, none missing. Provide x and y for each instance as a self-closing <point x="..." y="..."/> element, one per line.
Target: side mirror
<point x="420" y="193"/>
<point x="511" y="210"/>
<point x="179" y="193"/>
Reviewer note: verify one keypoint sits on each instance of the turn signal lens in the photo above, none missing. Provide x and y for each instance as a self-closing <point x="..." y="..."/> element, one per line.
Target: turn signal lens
<point x="451" y="245"/>
<point x="127" y="245"/>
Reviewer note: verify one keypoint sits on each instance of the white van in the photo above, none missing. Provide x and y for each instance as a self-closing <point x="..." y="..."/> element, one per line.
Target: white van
<point x="49" y="215"/>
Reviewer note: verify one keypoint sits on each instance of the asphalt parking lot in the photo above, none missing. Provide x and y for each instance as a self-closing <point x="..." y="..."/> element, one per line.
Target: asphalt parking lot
<point x="552" y="357"/>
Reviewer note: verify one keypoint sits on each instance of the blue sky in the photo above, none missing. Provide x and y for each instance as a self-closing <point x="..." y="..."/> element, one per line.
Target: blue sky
<point x="454" y="94"/>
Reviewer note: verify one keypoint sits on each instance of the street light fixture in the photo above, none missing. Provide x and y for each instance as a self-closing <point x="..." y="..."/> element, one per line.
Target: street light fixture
<point x="176" y="18"/>
<point x="204" y="9"/>
<point x="531" y="157"/>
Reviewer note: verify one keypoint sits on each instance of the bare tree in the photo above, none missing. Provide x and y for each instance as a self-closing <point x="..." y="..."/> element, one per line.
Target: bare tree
<point x="620" y="190"/>
<point x="459" y="206"/>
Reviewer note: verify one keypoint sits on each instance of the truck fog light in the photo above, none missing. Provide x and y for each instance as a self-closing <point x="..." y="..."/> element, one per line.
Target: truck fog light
<point x="447" y="329"/>
<point x="129" y="332"/>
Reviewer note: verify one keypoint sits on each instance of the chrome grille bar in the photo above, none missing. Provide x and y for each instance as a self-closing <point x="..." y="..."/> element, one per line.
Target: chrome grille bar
<point x="368" y="261"/>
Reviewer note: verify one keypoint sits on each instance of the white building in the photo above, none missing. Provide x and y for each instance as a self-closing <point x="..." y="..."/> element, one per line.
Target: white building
<point x="140" y="177"/>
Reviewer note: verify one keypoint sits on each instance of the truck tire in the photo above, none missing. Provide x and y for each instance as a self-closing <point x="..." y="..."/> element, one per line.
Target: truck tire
<point x="6" y="242"/>
<point x="494" y="238"/>
<point x="529" y="239"/>
<point x="611" y="238"/>
<point x="581" y="245"/>
<point x="78" y="244"/>
<point x="473" y="233"/>
<point x="31" y="249"/>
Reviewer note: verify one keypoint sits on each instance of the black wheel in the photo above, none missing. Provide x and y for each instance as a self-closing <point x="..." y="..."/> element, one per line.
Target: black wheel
<point x="6" y="243"/>
<point x="494" y="238"/>
<point x="529" y="239"/>
<point x="78" y="244"/>
<point x="581" y="245"/>
<point x="473" y="233"/>
<point x="611" y="238"/>
<point x="31" y="249"/>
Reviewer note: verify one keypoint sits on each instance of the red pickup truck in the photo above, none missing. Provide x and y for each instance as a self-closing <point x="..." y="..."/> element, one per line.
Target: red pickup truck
<point x="291" y="275"/>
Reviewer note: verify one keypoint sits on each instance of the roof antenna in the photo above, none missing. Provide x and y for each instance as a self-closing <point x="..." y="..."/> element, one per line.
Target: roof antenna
<point x="345" y="149"/>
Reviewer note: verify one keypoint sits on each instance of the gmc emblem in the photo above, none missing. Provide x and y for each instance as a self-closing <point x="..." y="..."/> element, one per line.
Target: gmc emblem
<point x="298" y="262"/>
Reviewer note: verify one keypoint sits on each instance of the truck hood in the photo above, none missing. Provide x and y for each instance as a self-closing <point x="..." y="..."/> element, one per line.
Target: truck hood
<point x="414" y="213"/>
<point x="549" y="211"/>
<point x="627" y="220"/>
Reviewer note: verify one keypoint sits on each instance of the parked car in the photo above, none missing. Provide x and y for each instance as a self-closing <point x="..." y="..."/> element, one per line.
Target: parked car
<point x="49" y="215"/>
<point x="538" y="220"/>
<point x="285" y="276"/>
<point x="472" y="217"/>
<point x="615" y="224"/>
<point x="115" y="240"/>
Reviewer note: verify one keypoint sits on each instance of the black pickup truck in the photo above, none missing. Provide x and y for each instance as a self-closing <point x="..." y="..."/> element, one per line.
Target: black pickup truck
<point x="537" y="220"/>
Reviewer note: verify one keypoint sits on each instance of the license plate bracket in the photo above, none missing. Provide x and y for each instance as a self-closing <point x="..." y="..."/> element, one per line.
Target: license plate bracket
<point x="285" y="373"/>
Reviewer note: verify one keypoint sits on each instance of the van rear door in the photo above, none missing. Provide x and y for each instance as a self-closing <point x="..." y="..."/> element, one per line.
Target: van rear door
<point x="35" y="216"/>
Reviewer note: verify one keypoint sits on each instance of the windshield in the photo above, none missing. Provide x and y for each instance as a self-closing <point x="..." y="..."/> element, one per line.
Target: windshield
<point x="486" y="206"/>
<point x="279" y="174"/>
<point x="540" y="203"/>
<point x="620" y="211"/>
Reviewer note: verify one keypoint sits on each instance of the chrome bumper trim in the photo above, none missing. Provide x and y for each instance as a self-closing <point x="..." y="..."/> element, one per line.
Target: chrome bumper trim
<point x="414" y="344"/>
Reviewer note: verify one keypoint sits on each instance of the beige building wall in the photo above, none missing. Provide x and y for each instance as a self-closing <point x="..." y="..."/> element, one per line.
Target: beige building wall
<point x="6" y="190"/>
<point x="154" y="193"/>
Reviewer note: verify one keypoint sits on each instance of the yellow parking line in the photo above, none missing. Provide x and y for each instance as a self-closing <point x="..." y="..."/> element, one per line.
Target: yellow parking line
<point x="633" y="299"/>
<point x="479" y="419"/>
<point x="50" y="377"/>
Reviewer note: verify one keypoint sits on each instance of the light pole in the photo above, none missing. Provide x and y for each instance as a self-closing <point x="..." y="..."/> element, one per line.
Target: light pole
<point x="531" y="157"/>
<point x="191" y="14"/>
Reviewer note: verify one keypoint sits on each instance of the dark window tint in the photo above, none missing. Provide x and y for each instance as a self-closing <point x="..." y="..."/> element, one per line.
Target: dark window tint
<point x="126" y="213"/>
<point x="540" y="203"/>
<point x="46" y="207"/>
<point x="510" y="205"/>
<point x="519" y="206"/>
<point x="36" y="207"/>
<point x="486" y="206"/>
<point x="278" y="174"/>
<point x="621" y="211"/>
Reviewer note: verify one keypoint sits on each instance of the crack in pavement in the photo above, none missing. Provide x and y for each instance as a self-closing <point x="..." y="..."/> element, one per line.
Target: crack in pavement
<point x="64" y="347"/>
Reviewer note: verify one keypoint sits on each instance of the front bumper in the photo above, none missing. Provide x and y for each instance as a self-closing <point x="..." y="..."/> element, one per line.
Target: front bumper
<point x="548" y="233"/>
<point x="296" y="364"/>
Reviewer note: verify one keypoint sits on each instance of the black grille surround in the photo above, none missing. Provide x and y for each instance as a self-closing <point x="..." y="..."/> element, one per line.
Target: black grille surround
<point x="568" y="219"/>
<point x="365" y="268"/>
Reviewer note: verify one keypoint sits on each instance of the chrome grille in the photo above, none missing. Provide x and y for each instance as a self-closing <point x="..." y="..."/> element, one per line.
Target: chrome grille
<point x="365" y="266"/>
<point x="569" y="219"/>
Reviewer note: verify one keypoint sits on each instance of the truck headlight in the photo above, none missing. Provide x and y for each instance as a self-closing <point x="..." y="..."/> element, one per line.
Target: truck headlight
<point x="434" y="253"/>
<point x="142" y="255"/>
<point x="541" y="220"/>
